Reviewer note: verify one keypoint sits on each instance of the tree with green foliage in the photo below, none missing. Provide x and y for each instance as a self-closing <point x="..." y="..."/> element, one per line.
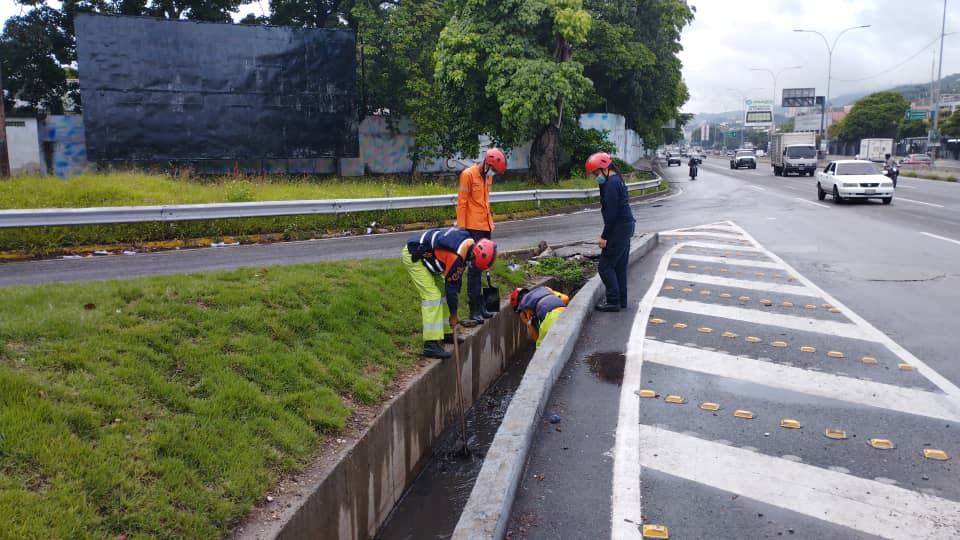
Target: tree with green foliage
<point x="911" y="128"/>
<point x="396" y="45"/>
<point x="311" y="13"/>
<point x="631" y="57"/>
<point x="33" y="50"/>
<point x="950" y="125"/>
<point x="506" y="69"/>
<point x="877" y="115"/>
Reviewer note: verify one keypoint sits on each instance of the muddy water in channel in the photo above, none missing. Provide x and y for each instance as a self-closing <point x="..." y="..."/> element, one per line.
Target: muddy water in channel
<point x="431" y="506"/>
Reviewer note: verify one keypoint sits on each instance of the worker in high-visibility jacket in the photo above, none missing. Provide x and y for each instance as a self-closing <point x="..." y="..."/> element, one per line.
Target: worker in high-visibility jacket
<point x="538" y="308"/>
<point x="473" y="214"/>
<point x="436" y="260"/>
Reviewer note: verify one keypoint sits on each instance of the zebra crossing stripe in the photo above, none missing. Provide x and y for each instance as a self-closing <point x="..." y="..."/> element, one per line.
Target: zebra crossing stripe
<point x="865" y="505"/>
<point x="742" y="283"/>
<point x="725" y="260"/>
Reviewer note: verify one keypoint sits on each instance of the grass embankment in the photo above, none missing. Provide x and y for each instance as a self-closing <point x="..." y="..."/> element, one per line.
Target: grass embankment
<point x="164" y="407"/>
<point x="929" y="176"/>
<point x="132" y="189"/>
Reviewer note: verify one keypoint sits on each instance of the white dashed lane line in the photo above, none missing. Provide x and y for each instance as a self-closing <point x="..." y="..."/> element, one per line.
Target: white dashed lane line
<point x="938" y="237"/>
<point x="904" y="199"/>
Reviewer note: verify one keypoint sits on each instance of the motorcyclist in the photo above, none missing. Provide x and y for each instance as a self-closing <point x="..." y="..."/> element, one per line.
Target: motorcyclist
<point x="890" y="167"/>
<point x="693" y="167"/>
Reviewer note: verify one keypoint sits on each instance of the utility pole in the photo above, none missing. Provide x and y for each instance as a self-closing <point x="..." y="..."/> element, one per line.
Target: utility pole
<point x="4" y="156"/>
<point x="936" y="105"/>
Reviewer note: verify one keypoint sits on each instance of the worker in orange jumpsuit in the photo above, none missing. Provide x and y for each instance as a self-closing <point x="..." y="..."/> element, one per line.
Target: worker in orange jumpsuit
<point x="473" y="214"/>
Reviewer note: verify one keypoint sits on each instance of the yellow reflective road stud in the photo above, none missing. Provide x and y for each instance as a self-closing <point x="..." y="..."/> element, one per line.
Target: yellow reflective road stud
<point x="680" y="325"/>
<point x="675" y="399"/>
<point x="835" y="433"/>
<point x="780" y="344"/>
<point x="905" y="367"/>
<point x="728" y="335"/>
<point x="933" y="453"/>
<point x="787" y="304"/>
<point x="740" y="413"/>
<point x="710" y="406"/>
<point x="753" y="339"/>
<point x="744" y="298"/>
<point x="882" y="444"/>
<point x="790" y="424"/>
<point x="686" y="289"/>
<point x="726" y="295"/>
<point x="657" y="321"/>
<point x="869" y="360"/>
<point x="835" y="354"/>
<point x="656" y="531"/>
<point x="808" y="349"/>
<point x="704" y="330"/>
<point x="668" y="287"/>
<point x="809" y="306"/>
<point x="647" y="394"/>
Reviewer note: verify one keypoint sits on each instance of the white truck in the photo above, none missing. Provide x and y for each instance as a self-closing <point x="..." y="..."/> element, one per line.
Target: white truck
<point x="875" y="149"/>
<point x="793" y="153"/>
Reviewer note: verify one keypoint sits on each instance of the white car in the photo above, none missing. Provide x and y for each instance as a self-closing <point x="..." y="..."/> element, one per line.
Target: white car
<point x="853" y="179"/>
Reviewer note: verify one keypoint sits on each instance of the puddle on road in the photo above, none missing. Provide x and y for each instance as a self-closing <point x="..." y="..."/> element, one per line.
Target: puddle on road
<point x="432" y="505"/>
<point x="607" y="366"/>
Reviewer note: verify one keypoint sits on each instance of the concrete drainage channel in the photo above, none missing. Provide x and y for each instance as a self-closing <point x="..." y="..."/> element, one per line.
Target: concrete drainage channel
<point x="404" y="459"/>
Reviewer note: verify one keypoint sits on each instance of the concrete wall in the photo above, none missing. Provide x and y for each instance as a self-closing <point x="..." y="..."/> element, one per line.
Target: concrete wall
<point x="628" y="142"/>
<point x="65" y="134"/>
<point x="352" y="498"/>
<point x="23" y="146"/>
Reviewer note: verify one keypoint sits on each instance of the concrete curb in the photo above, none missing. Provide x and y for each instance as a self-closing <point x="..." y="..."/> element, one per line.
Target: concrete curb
<point x="487" y="511"/>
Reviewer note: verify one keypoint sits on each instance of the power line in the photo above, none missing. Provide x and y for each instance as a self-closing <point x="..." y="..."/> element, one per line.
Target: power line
<point x="884" y="72"/>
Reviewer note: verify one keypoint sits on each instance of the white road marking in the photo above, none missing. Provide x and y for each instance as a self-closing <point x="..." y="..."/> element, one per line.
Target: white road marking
<point x="948" y="387"/>
<point x="758" y="188"/>
<point x="722" y="247"/>
<point x="864" y="505"/>
<point x="727" y="261"/>
<point x="722" y="236"/>
<point x="742" y="284"/>
<point x="821" y="205"/>
<point x="815" y="383"/>
<point x="938" y="237"/>
<point x="906" y="187"/>
<point x="625" y="507"/>
<point x="920" y="202"/>
<point x="755" y="316"/>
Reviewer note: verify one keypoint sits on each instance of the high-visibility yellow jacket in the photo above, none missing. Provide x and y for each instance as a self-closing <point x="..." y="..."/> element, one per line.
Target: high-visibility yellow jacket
<point x="473" y="200"/>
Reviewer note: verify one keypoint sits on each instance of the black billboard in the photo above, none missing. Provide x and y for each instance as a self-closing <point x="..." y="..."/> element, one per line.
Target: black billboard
<point x="169" y="90"/>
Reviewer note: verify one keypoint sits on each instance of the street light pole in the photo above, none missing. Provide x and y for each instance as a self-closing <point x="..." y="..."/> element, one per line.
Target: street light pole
<point x="936" y="107"/>
<point x="830" y="48"/>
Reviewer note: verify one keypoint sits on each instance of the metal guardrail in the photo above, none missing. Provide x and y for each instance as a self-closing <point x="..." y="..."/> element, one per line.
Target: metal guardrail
<point x="49" y="217"/>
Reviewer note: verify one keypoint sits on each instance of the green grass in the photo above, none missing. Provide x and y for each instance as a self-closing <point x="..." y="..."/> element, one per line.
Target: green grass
<point x="929" y="176"/>
<point x="128" y="189"/>
<point x="169" y="407"/>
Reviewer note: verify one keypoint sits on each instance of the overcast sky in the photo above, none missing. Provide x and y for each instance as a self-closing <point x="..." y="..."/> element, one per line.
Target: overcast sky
<point x="727" y="38"/>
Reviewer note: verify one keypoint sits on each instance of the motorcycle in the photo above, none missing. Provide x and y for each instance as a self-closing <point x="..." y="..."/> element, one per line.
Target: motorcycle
<point x="693" y="172"/>
<point x="891" y="172"/>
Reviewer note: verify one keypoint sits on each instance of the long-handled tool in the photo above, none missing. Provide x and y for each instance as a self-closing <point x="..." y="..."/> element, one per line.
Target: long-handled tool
<point x="465" y="450"/>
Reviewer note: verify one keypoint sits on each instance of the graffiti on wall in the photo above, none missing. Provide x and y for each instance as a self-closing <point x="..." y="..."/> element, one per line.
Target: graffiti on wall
<point x="63" y="134"/>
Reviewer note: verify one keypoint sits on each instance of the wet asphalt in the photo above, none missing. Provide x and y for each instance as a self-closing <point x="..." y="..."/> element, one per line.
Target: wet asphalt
<point x="875" y="263"/>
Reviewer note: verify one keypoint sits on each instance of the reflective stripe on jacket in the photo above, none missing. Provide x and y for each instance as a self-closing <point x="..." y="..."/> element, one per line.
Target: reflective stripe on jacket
<point x="541" y="301"/>
<point x="443" y="251"/>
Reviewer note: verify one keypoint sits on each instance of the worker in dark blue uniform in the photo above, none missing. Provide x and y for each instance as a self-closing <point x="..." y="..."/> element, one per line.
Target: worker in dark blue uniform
<point x="618" y="226"/>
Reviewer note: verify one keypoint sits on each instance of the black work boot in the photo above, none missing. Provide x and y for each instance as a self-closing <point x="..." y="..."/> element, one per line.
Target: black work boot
<point x="486" y="314"/>
<point x="433" y="349"/>
<point x="448" y="339"/>
<point x="605" y="306"/>
<point x="475" y="312"/>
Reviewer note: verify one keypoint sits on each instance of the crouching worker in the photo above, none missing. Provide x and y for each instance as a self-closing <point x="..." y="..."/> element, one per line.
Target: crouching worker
<point x="436" y="261"/>
<point x="538" y="308"/>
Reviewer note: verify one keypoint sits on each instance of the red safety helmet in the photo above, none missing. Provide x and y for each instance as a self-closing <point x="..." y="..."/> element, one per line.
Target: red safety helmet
<point x="496" y="159"/>
<point x="516" y="297"/>
<point x="484" y="253"/>
<point x="600" y="160"/>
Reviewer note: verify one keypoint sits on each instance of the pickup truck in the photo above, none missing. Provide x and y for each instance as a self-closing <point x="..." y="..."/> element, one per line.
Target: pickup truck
<point x="744" y="158"/>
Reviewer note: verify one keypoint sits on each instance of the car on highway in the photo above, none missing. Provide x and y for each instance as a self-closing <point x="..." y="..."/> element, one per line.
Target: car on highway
<point x="744" y="158"/>
<point x="673" y="159"/>
<point x="849" y="179"/>
<point x="916" y="159"/>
